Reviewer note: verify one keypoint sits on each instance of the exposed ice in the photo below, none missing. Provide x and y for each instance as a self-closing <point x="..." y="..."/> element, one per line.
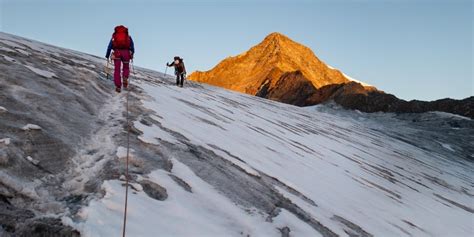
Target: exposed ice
<point x="41" y="72"/>
<point x="6" y="49"/>
<point x="11" y="43"/>
<point x="447" y="146"/>
<point x="152" y="133"/>
<point x="449" y="115"/>
<point x="20" y="186"/>
<point x="23" y="52"/>
<point x="9" y="59"/>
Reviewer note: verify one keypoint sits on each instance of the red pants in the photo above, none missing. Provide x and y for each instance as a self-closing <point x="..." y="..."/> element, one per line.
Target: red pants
<point x="121" y="56"/>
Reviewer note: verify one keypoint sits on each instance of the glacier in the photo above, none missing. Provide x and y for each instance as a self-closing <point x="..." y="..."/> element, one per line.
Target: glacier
<point x="211" y="162"/>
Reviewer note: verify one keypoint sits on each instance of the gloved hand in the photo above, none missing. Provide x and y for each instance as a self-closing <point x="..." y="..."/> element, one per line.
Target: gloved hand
<point x="168" y="64"/>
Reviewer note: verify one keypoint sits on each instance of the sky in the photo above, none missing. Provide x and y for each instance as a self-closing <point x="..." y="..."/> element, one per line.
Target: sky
<point x="414" y="49"/>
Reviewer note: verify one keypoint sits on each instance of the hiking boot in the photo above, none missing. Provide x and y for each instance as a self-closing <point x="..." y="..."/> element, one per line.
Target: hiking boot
<point x="125" y="83"/>
<point x="117" y="89"/>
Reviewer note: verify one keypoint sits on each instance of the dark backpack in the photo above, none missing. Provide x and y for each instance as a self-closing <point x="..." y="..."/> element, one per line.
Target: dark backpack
<point x="120" y="38"/>
<point x="180" y="66"/>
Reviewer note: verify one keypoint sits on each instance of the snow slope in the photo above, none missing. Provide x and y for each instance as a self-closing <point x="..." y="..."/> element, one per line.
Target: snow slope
<point x="211" y="162"/>
<point x="353" y="178"/>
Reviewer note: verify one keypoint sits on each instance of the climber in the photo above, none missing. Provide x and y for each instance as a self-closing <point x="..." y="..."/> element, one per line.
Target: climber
<point x="123" y="47"/>
<point x="179" y="70"/>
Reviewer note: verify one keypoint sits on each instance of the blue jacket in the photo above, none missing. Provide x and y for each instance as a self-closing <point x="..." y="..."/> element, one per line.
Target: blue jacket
<point x="109" y="48"/>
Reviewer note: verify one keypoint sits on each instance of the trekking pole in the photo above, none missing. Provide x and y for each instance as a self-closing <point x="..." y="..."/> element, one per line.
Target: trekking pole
<point x="185" y="78"/>
<point x="166" y="70"/>
<point x="107" y="69"/>
<point x="133" y="67"/>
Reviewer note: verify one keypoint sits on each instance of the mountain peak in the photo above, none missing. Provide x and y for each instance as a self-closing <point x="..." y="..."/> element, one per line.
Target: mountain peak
<point x="278" y="40"/>
<point x="265" y="63"/>
<point x="276" y="36"/>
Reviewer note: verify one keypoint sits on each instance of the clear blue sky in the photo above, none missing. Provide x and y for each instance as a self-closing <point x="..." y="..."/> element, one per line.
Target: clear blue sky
<point x="415" y="49"/>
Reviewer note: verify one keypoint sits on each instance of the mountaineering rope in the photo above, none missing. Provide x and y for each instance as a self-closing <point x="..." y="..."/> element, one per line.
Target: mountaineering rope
<point x="128" y="152"/>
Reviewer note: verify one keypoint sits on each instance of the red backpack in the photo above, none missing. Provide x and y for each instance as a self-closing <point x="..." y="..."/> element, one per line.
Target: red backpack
<point x="120" y="38"/>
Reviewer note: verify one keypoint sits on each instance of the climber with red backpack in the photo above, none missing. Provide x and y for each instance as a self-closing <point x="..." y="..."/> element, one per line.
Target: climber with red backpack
<point x="123" y="50"/>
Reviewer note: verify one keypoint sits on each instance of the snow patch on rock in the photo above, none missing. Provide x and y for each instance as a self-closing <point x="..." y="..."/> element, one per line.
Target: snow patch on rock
<point x="31" y="127"/>
<point x="350" y="78"/>
<point x="33" y="161"/>
<point x="5" y="141"/>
